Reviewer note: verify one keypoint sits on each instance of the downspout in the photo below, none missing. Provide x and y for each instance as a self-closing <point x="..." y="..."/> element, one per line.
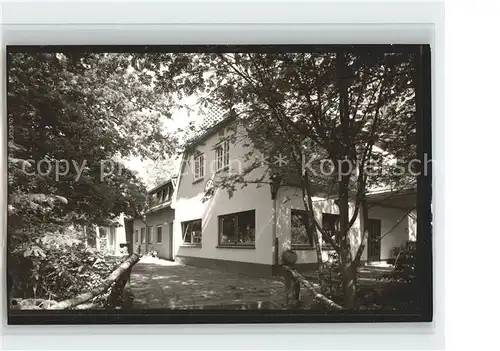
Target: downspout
<point x="275" y="239"/>
<point x="175" y="193"/>
<point x="146" y="239"/>
<point x="274" y="185"/>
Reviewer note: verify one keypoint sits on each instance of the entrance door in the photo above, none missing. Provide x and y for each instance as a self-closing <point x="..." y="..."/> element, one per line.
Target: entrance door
<point x="170" y="241"/>
<point x="374" y="229"/>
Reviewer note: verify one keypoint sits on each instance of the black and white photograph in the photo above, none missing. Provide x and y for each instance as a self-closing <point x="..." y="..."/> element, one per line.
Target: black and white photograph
<point x="211" y="184"/>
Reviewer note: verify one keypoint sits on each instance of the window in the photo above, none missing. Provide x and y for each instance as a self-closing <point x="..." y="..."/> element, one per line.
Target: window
<point x="302" y="227"/>
<point x="158" y="234"/>
<point x="237" y="228"/>
<point x="112" y="233"/>
<point x="191" y="232"/>
<point x="199" y="166"/>
<point x="165" y="194"/>
<point x="150" y="235"/>
<point x="222" y="154"/>
<point x="136" y="235"/>
<point x="330" y="224"/>
<point x="154" y="199"/>
<point x="143" y="235"/>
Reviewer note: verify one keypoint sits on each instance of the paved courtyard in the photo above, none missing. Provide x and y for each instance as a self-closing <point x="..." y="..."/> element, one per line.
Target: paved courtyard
<point x="161" y="284"/>
<point x="158" y="283"/>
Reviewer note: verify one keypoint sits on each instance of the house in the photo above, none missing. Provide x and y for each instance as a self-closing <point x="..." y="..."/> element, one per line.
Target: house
<point x="113" y="238"/>
<point x="250" y="230"/>
<point x="154" y="232"/>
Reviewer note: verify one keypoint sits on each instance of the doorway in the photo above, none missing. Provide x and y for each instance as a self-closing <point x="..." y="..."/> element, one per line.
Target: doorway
<point x="170" y="243"/>
<point x="374" y="229"/>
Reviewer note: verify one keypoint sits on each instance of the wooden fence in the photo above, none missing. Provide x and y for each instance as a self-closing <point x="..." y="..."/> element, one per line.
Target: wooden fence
<point x="116" y="280"/>
<point x="294" y="280"/>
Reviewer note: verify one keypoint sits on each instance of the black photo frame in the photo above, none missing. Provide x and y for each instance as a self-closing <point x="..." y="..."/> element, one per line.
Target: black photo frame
<point x="424" y="271"/>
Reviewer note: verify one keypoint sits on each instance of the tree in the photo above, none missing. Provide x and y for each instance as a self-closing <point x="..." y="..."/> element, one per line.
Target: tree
<point x="74" y="113"/>
<point x="159" y="172"/>
<point x="73" y="116"/>
<point x="333" y="106"/>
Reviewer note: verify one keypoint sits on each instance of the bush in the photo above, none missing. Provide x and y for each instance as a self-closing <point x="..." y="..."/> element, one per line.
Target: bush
<point x="404" y="263"/>
<point x="58" y="267"/>
<point x="401" y="291"/>
<point x="152" y="253"/>
<point x="333" y="279"/>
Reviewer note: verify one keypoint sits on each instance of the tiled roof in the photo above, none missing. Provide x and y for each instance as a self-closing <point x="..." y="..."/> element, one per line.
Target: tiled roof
<point x="211" y="118"/>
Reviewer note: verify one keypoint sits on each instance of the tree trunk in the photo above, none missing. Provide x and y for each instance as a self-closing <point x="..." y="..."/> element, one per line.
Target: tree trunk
<point x="319" y="256"/>
<point x="313" y="231"/>
<point x="97" y="238"/>
<point x="125" y="266"/>
<point x="346" y="262"/>
<point x="363" y="229"/>
<point x="349" y="282"/>
<point x="85" y="239"/>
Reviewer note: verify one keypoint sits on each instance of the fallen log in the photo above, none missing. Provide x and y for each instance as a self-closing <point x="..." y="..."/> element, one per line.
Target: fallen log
<point x="320" y="297"/>
<point x="124" y="267"/>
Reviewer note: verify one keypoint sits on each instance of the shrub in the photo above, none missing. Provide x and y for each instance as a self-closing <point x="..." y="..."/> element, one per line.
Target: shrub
<point x="57" y="266"/>
<point x="152" y="253"/>
<point x="404" y="264"/>
<point x="333" y="278"/>
<point x="401" y="292"/>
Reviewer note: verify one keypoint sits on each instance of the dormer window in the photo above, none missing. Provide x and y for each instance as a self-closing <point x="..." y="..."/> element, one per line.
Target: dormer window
<point x="199" y="166"/>
<point x="222" y="154"/>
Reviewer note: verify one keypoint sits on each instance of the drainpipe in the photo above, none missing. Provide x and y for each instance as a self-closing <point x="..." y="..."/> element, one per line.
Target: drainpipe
<point x="275" y="239"/>
<point x="274" y="187"/>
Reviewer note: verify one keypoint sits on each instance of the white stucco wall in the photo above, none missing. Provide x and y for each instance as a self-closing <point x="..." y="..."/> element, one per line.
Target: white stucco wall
<point x="161" y="218"/>
<point x="392" y="235"/>
<point x="115" y="235"/>
<point x="189" y="206"/>
<point x="412" y="225"/>
<point x="291" y="198"/>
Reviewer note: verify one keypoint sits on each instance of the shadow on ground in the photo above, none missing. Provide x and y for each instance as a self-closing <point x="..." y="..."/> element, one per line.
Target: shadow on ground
<point x="160" y="284"/>
<point x="168" y="285"/>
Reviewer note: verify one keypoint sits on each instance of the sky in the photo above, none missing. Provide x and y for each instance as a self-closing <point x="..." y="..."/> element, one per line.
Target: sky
<point x="180" y="119"/>
<point x="178" y="123"/>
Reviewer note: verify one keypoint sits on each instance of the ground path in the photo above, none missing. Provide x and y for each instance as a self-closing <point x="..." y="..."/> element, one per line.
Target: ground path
<point x="159" y="283"/>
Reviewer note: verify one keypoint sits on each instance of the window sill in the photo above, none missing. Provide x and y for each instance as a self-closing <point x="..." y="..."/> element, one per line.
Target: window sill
<point x="327" y="248"/>
<point x="302" y="247"/>
<point x="244" y="247"/>
<point x="199" y="180"/>
<point x="191" y="245"/>
<point x="225" y="168"/>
